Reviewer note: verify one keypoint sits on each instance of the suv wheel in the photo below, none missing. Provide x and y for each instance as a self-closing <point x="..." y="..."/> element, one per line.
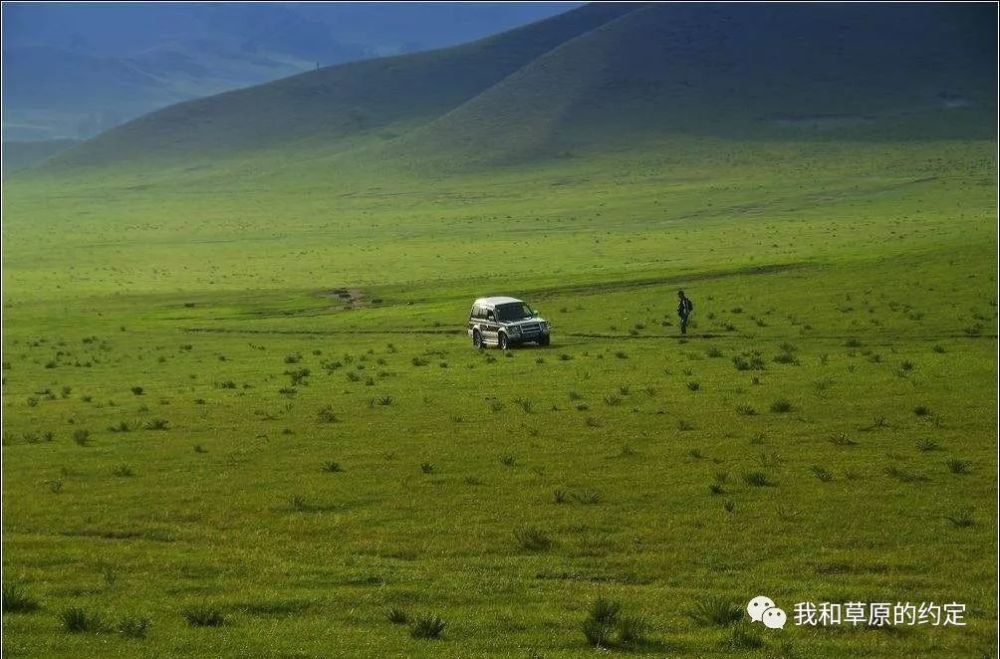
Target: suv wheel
<point x="477" y="339"/>
<point x="544" y="341"/>
<point x="502" y="341"/>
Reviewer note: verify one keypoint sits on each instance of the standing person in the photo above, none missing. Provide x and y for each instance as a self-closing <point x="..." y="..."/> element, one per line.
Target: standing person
<point x="684" y="309"/>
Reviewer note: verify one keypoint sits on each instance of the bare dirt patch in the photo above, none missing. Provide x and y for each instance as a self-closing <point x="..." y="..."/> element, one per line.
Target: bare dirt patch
<point x="350" y="298"/>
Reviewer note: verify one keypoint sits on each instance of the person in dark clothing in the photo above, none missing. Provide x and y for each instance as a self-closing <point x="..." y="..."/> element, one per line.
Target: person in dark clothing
<point x="684" y="309"/>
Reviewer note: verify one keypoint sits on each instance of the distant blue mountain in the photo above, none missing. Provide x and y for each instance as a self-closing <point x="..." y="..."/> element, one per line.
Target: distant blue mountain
<point x="74" y="70"/>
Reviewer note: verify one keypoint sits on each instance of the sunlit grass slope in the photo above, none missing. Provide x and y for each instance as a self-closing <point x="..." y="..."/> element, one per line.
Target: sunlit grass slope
<point x="197" y="425"/>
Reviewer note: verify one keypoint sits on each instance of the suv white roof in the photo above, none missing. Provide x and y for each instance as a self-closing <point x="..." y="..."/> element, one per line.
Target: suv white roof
<point x="494" y="301"/>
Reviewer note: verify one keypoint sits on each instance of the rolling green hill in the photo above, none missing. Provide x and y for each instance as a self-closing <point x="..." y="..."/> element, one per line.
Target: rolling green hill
<point x="736" y="71"/>
<point x="335" y="104"/>
<point x="606" y="73"/>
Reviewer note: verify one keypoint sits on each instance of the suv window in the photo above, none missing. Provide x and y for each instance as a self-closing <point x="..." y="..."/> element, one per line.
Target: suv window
<point x="490" y="315"/>
<point x="514" y="311"/>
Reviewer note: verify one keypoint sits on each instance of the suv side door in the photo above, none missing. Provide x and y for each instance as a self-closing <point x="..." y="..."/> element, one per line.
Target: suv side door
<point x="491" y="327"/>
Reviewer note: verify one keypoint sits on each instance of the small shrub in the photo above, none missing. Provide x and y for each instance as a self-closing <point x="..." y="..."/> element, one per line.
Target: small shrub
<point x="293" y="358"/>
<point x="714" y="352"/>
<point x="786" y="358"/>
<point x="745" y="410"/>
<point x="751" y="361"/>
<point x="606" y="628"/>
<point x="138" y="391"/>
<point x="419" y="361"/>
<point x="17" y="600"/>
<point x="822" y="473"/>
<point x="957" y="466"/>
<point x="928" y="445"/>
<point x="81" y="437"/>
<point x="962" y="519"/>
<point x="397" y="616"/>
<point x="533" y="539"/>
<point x="922" y="410"/>
<point x="327" y="415"/>
<point x="693" y="386"/>
<point x="429" y="627"/>
<point x="716" y="611"/>
<point x="158" y="424"/>
<point x="757" y="479"/>
<point x="508" y="460"/>
<point x="332" y="467"/>
<point x="427" y="467"/>
<point x="298" y="376"/>
<point x="134" y="627"/>
<point x="204" y="616"/>
<point x="75" y="620"/>
<point x="781" y="406"/>
<point x="559" y="496"/>
<point x="612" y="400"/>
<point x="122" y="471"/>
<point x="526" y="405"/>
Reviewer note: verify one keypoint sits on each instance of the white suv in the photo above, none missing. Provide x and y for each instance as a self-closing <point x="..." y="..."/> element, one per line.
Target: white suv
<point x="506" y="321"/>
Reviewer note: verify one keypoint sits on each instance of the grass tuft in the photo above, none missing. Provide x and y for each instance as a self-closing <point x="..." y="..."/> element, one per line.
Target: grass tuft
<point x="17" y="600"/>
<point x="757" y="479"/>
<point x="397" y="616"/>
<point x="958" y="466"/>
<point x="716" y="611"/>
<point x="428" y="627"/>
<point x="204" y="616"/>
<point x="781" y="406"/>
<point x="75" y="621"/>
<point x="134" y="627"/>
<point x="533" y="539"/>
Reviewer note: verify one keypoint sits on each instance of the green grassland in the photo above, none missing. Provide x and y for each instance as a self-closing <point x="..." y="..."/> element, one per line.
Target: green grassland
<point x="194" y="421"/>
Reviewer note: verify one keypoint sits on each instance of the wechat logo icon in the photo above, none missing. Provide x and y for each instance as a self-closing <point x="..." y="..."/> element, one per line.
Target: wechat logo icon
<point x="762" y="609"/>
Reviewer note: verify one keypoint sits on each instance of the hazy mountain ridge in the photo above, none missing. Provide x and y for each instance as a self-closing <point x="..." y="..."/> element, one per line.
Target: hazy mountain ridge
<point x="74" y="71"/>
<point x="605" y="74"/>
